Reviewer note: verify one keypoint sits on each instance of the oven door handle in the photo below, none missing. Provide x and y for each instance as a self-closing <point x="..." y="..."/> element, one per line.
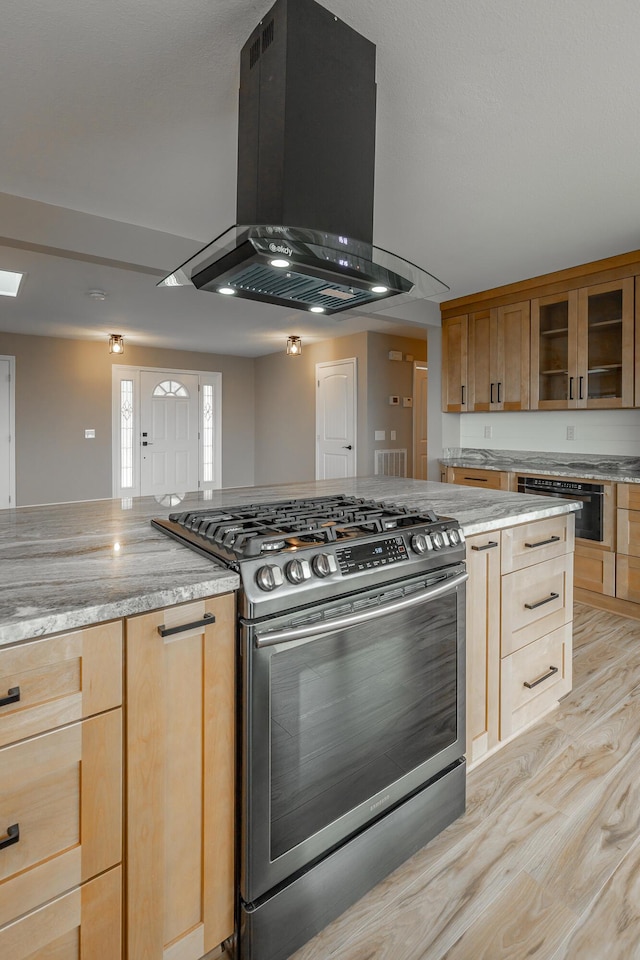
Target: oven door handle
<point x="319" y="629"/>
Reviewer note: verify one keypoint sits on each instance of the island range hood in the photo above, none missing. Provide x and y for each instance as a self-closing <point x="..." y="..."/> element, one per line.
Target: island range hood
<point x="306" y="156"/>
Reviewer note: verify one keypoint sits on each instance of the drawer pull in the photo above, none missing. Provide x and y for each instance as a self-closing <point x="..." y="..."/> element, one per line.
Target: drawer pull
<point x="543" y="543"/>
<point x="540" y="603"/>
<point x="545" y="676"/>
<point x="477" y="479"/>
<point x="485" y="546"/>
<point x="13" y="695"/>
<point x="171" y="631"/>
<point x="13" y="835"/>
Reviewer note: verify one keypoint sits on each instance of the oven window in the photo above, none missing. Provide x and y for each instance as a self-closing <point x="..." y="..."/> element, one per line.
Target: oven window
<point x="355" y="710"/>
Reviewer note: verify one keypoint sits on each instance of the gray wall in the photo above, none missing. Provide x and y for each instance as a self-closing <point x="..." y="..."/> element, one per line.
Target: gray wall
<point x="64" y="386"/>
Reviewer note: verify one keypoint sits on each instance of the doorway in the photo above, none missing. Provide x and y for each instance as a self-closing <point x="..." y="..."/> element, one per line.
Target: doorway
<point x="166" y="431"/>
<point x="336" y="419"/>
<point x="7" y="432"/>
<point x="420" y="387"/>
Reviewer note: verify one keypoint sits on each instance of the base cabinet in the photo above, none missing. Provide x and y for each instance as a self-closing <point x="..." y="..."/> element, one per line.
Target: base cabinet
<point x="180" y="686"/>
<point x="519" y="628"/>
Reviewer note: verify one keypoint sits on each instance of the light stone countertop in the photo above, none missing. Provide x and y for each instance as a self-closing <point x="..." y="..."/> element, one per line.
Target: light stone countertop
<point x="586" y="466"/>
<point x="70" y="565"/>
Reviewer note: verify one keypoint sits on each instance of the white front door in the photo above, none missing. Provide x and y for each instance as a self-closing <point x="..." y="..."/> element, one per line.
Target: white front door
<point x="169" y="433"/>
<point x="420" y="382"/>
<point x="7" y="498"/>
<point x="336" y="420"/>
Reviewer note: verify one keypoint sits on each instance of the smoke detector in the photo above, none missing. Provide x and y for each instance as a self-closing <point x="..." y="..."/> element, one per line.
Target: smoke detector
<point x="96" y="294"/>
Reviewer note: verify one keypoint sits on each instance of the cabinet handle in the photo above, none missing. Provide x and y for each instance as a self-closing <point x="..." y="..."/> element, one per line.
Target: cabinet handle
<point x="545" y="676"/>
<point x="499" y="385"/>
<point x="570" y="388"/>
<point x="580" y="381"/>
<point x="171" y="631"/>
<point x="13" y="695"/>
<point x="462" y="395"/>
<point x="485" y="546"/>
<point x="491" y="394"/>
<point x="477" y="479"/>
<point x="540" y="603"/>
<point x="13" y="835"/>
<point x="543" y="543"/>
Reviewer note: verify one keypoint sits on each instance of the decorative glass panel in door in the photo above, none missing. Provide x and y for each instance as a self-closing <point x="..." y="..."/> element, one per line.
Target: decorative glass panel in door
<point x="606" y="332"/>
<point x="553" y="351"/>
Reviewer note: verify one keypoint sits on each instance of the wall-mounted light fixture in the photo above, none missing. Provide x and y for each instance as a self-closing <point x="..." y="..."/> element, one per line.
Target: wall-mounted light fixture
<point x="294" y="346"/>
<point x="116" y="343"/>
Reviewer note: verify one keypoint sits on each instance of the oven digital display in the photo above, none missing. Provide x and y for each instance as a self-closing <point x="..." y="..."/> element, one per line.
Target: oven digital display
<point x="367" y="556"/>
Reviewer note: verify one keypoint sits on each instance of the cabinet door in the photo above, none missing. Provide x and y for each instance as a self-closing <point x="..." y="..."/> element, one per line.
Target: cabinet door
<point x="454" y="364"/>
<point x="554" y="358"/>
<point x="180" y="784"/>
<point x="483" y="643"/>
<point x="605" y="345"/>
<point x="482" y="380"/>
<point x="510" y="347"/>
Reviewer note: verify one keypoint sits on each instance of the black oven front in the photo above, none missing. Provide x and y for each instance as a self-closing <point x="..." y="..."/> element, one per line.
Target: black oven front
<point x="349" y="708"/>
<point x="590" y="519"/>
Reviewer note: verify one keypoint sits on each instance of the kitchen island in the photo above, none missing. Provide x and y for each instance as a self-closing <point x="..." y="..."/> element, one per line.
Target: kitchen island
<point x="104" y="619"/>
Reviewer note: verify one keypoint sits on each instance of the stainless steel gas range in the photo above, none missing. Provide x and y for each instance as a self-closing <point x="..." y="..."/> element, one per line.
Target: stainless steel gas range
<point x="351" y="621"/>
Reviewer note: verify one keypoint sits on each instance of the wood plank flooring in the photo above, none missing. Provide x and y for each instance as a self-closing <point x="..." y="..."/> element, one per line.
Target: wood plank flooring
<point x="545" y="863"/>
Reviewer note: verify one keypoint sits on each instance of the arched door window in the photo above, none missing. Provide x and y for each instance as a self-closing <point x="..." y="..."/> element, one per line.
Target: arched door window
<point x="170" y="388"/>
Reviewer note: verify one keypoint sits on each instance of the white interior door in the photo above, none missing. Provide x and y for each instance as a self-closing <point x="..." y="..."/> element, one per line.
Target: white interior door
<point x="336" y="420"/>
<point x="169" y="433"/>
<point x="7" y="480"/>
<point x="420" y="382"/>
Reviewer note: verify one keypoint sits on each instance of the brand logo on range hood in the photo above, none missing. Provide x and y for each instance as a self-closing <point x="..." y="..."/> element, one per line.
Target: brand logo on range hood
<point x="280" y="248"/>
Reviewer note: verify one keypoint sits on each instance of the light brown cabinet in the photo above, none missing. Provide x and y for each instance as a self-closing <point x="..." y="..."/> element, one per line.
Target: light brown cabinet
<point x="455" y="393"/>
<point x="519" y="628"/>
<point x="498" y="364"/>
<point x="628" y="543"/>
<point x="476" y="477"/>
<point x="180" y="686"/>
<point x="582" y="347"/>
<point x="61" y="796"/>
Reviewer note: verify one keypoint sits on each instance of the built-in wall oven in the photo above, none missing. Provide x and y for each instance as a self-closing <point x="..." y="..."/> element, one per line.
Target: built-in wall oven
<point x="592" y="521"/>
<point x="351" y="641"/>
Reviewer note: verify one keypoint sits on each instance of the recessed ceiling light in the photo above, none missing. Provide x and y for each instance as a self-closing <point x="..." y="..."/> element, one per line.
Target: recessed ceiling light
<point x="279" y="262"/>
<point x="228" y="291"/>
<point x="317" y="309"/>
<point x="379" y="289"/>
<point x="10" y="283"/>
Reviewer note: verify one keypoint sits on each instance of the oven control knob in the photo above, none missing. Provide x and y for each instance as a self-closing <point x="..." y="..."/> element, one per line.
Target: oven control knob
<point x="298" y="571"/>
<point x="324" y="564"/>
<point x="269" y="577"/>
<point x="420" y="543"/>
<point x="454" y="538"/>
<point x="438" y="541"/>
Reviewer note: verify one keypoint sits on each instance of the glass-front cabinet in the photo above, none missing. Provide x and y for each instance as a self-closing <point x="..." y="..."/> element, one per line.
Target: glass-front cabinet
<point x="582" y="348"/>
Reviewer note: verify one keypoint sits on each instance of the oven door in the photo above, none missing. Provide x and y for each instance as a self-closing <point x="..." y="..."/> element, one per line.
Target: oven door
<point x="589" y="520"/>
<point x="348" y="708"/>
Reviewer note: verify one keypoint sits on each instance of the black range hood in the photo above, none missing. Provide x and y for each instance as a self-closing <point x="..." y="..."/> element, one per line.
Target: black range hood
<point x="306" y="156"/>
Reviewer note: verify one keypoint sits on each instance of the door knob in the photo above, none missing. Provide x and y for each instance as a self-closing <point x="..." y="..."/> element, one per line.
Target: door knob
<point x="348" y="447"/>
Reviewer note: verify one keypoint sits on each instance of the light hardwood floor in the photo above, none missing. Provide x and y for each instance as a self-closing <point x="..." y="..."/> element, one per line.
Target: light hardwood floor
<point x="545" y="863"/>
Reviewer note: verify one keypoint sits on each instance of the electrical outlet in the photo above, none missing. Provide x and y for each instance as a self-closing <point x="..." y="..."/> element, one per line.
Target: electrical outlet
<point x="571" y="433"/>
<point x="488" y="432"/>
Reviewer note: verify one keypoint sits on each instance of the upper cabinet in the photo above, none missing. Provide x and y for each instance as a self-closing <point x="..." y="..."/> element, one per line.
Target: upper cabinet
<point x="499" y="358"/>
<point x="582" y="348"/>
<point x="561" y="341"/>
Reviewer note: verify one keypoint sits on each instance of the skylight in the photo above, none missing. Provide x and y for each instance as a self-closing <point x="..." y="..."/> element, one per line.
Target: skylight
<point x="9" y="283"/>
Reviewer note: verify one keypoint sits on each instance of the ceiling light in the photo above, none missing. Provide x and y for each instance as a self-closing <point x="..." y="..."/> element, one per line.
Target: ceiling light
<point x="294" y="346"/>
<point x="228" y="291"/>
<point x="379" y="289"/>
<point x="97" y="294"/>
<point x="9" y="283"/>
<point x="317" y="309"/>
<point x="279" y="262"/>
<point x="116" y="343"/>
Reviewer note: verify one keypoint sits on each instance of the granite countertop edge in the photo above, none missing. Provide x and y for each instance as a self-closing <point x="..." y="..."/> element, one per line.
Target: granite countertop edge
<point x="580" y="470"/>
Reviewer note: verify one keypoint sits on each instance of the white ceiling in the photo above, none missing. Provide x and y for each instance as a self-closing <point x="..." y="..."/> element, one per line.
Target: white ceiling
<point x="507" y="146"/>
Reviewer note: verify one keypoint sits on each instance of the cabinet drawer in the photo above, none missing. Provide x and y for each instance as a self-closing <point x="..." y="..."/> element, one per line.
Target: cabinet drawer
<point x="84" y="924"/>
<point x="62" y="791"/>
<point x="629" y="496"/>
<point x="628" y="532"/>
<point x="535" y="601"/>
<point x="58" y="680"/>
<point x="534" y="542"/>
<point x="469" y="477"/>
<point x="595" y="570"/>
<point x="533" y="679"/>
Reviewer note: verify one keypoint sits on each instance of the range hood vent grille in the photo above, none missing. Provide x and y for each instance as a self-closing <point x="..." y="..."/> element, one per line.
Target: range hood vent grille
<point x="295" y="286"/>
